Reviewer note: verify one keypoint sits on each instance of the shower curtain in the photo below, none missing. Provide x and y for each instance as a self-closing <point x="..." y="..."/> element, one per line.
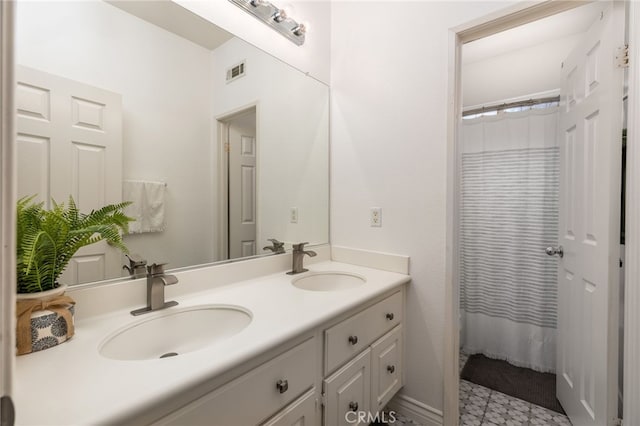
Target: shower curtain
<point x="509" y="215"/>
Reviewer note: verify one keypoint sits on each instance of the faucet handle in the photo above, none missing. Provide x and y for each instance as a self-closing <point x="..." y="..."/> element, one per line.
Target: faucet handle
<point x="276" y="243"/>
<point x="276" y="247"/>
<point x="135" y="261"/>
<point x="299" y="246"/>
<point x="156" y="268"/>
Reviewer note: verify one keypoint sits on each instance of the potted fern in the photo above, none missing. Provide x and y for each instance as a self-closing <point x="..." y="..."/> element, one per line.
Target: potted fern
<point x="46" y="242"/>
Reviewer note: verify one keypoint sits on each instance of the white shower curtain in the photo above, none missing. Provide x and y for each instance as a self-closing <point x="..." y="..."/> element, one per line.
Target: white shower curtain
<point x="509" y="214"/>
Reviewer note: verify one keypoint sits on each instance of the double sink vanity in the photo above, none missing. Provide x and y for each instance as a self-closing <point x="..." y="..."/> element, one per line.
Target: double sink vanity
<point x="246" y="344"/>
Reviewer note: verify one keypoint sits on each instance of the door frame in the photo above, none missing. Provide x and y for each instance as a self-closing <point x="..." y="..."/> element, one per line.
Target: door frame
<point x="8" y="190"/>
<point x="222" y="188"/>
<point x="510" y="17"/>
<point x="631" y="389"/>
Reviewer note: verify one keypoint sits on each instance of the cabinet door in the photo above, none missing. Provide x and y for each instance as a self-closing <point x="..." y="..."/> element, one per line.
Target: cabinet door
<point x="301" y="412"/>
<point x="348" y="392"/>
<point x="386" y="368"/>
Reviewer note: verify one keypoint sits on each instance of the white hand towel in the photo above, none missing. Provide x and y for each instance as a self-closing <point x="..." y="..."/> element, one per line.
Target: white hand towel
<point x="133" y="191"/>
<point x="148" y="205"/>
<point x="153" y="212"/>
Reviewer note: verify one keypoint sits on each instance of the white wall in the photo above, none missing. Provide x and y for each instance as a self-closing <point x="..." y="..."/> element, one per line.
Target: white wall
<point x="527" y="71"/>
<point x="313" y="57"/>
<point x="389" y="77"/>
<point x="166" y="125"/>
<point x="292" y="139"/>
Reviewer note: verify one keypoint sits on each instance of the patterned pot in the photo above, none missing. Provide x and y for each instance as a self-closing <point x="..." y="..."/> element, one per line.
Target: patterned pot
<point x="50" y="316"/>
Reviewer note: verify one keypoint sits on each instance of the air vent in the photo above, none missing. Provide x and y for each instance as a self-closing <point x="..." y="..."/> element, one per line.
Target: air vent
<point x="236" y="71"/>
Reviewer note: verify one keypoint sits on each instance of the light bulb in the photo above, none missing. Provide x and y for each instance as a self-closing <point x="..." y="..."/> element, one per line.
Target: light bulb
<point x="280" y="15"/>
<point x="300" y="30"/>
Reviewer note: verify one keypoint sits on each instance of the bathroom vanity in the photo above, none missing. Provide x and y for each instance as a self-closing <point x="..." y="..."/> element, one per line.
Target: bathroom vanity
<point x="318" y="347"/>
<point x="361" y="369"/>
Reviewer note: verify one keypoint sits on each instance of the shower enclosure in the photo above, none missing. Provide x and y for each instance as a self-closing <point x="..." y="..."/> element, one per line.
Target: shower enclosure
<point x="509" y="215"/>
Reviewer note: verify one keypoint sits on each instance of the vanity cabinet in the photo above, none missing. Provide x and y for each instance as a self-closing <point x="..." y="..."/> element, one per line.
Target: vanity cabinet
<point x="370" y="342"/>
<point x="347" y="369"/>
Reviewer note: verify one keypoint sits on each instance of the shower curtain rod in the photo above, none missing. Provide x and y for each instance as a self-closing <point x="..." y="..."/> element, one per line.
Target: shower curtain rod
<point x="528" y="102"/>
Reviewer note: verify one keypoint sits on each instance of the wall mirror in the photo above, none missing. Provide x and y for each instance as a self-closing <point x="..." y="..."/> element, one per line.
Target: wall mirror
<point x="219" y="145"/>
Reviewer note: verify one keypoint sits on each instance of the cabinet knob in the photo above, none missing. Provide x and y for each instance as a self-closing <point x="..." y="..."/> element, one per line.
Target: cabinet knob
<point x="353" y="340"/>
<point x="390" y="316"/>
<point x="282" y="386"/>
<point x="391" y="368"/>
<point x="353" y="406"/>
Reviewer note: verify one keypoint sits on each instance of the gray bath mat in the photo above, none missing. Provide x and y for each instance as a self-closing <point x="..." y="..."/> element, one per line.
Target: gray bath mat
<point x="524" y="383"/>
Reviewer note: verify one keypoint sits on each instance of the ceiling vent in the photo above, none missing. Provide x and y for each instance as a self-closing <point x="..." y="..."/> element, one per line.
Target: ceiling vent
<point x="236" y="71"/>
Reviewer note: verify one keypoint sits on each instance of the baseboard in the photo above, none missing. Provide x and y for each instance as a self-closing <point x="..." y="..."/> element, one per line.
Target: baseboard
<point x="372" y="259"/>
<point x="415" y="410"/>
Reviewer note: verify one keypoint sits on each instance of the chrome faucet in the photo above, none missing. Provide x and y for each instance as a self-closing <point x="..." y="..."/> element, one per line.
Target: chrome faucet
<point x="276" y="246"/>
<point x="156" y="281"/>
<point x="298" y="257"/>
<point x="137" y="266"/>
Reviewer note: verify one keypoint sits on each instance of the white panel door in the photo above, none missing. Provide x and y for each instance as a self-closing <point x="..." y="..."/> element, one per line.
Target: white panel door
<point x="591" y="132"/>
<point x="242" y="186"/>
<point x="69" y="142"/>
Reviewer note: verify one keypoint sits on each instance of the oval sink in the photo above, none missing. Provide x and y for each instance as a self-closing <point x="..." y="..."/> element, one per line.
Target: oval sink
<point x="328" y="281"/>
<point x="175" y="332"/>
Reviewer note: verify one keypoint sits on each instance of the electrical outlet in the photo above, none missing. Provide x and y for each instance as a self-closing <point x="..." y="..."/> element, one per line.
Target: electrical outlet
<point x="376" y="216"/>
<point x="293" y="215"/>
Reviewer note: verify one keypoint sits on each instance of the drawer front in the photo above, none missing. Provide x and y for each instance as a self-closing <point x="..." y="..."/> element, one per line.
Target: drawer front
<point x="254" y="396"/>
<point x="301" y="412"/>
<point x="348" y="392"/>
<point x="348" y="338"/>
<point x="386" y="368"/>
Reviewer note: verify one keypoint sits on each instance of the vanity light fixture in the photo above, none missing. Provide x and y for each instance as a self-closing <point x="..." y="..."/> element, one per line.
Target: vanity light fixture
<point x="274" y="17"/>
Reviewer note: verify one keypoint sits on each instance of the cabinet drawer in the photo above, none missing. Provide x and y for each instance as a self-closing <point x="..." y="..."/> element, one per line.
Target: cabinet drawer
<point x="254" y="396"/>
<point x="301" y="412"/>
<point x="348" y="338"/>
<point x="348" y="392"/>
<point x="386" y="368"/>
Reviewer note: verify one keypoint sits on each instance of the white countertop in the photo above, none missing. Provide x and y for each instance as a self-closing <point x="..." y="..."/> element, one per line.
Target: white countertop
<point x="72" y="384"/>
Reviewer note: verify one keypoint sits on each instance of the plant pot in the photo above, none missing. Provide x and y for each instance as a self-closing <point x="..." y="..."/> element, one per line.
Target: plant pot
<point x="45" y="320"/>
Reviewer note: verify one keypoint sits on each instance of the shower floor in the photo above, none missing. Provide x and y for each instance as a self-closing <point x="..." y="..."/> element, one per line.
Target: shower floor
<point x="481" y="406"/>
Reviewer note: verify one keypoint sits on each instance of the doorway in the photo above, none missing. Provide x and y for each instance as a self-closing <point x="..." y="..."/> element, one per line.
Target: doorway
<point x="484" y="177"/>
<point x="238" y="188"/>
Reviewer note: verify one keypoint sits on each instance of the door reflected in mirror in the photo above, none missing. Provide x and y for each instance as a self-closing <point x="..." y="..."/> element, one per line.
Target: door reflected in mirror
<point x="220" y="145"/>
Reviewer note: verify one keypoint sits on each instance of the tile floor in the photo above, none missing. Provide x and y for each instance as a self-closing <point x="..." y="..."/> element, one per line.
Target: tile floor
<point x="480" y="406"/>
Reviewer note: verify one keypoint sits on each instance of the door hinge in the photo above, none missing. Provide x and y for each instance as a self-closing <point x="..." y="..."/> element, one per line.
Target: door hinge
<point x="617" y="422"/>
<point x="227" y="147"/>
<point x="622" y="56"/>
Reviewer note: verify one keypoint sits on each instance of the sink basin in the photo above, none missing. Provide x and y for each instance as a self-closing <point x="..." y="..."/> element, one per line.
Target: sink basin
<point x="328" y="281"/>
<point x="175" y="332"/>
